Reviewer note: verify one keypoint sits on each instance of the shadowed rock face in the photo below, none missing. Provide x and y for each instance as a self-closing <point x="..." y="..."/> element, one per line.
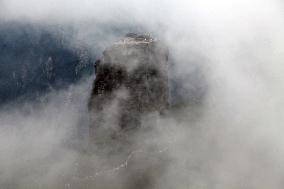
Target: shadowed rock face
<point x="131" y="84"/>
<point x="131" y="88"/>
<point x="131" y="80"/>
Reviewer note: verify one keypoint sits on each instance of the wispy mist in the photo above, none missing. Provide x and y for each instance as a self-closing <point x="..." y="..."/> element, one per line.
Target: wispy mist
<point x="233" y="139"/>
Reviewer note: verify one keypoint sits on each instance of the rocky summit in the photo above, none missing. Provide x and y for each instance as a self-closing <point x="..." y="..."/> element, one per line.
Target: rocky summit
<point x="131" y="81"/>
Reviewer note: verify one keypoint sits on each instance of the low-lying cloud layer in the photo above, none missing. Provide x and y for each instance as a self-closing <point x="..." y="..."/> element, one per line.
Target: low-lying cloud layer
<point x="233" y="140"/>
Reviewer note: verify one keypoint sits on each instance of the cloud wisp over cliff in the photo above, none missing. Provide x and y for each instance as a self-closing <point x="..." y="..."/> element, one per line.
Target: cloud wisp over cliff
<point x="233" y="139"/>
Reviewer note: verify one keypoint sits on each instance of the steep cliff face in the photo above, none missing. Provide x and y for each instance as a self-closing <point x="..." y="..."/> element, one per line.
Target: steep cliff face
<point x="131" y="80"/>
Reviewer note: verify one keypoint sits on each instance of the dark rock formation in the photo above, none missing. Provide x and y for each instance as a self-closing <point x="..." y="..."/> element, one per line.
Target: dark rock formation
<point x="131" y="80"/>
<point x="130" y="89"/>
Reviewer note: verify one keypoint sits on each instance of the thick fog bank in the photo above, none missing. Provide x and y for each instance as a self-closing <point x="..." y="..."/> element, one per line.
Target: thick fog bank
<point x="233" y="139"/>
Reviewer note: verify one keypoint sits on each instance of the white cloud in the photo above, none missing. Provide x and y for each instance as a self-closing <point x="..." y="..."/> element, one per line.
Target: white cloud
<point x="236" y="140"/>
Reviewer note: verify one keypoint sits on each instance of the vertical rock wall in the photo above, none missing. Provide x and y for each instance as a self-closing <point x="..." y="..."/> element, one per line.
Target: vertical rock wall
<point x="131" y="80"/>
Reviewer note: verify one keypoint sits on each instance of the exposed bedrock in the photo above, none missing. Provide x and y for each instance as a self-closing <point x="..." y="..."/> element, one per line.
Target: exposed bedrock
<point x="130" y="93"/>
<point x="131" y="81"/>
